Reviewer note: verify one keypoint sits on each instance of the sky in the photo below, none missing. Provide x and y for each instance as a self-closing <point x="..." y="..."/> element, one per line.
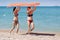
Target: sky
<point x="42" y="2"/>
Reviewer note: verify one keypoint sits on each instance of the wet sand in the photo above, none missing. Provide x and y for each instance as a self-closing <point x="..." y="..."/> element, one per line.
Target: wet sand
<point x="5" y="35"/>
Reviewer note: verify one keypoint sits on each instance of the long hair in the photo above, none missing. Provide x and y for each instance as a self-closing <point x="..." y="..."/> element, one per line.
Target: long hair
<point x="14" y="9"/>
<point x="29" y="7"/>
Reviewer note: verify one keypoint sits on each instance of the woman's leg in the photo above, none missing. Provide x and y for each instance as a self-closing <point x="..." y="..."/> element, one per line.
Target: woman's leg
<point x="17" y="27"/>
<point x="32" y="26"/>
<point x="29" y="29"/>
<point x="13" y="26"/>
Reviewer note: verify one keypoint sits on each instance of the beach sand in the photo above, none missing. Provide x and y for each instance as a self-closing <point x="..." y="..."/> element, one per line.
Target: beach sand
<point x="5" y="35"/>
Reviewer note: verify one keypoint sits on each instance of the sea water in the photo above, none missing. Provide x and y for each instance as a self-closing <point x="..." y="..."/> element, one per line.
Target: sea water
<point x="46" y="18"/>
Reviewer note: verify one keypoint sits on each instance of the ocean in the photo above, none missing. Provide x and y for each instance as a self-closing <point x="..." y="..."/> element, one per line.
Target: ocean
<point x="46" y="18"/>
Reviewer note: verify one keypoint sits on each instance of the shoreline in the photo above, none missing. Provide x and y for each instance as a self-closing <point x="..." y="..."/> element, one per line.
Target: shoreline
<point x="5" y="35"/>
<point x="56" y="33"/>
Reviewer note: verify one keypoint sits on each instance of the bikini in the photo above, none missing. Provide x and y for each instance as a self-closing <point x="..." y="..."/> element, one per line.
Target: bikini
<point x="16" y="14"/>
<point x="29" y="15"/>
<point x="16" y="21"/>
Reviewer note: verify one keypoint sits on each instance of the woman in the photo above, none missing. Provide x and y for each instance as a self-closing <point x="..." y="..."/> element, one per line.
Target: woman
<point x="30" y="18"/>
<point x="15" y="19"/>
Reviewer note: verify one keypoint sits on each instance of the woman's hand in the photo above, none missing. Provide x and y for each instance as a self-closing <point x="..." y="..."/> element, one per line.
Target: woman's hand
<point x="18" y="9"/>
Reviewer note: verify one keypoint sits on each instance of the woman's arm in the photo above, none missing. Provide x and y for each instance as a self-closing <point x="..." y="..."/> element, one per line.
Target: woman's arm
<point x="18" y="9"/>
<point x="29" y="11"/>
<point x="34" y="8"/>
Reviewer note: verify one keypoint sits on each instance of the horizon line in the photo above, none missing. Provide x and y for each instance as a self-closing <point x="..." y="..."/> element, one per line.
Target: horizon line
<point x="39" y="5"/>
